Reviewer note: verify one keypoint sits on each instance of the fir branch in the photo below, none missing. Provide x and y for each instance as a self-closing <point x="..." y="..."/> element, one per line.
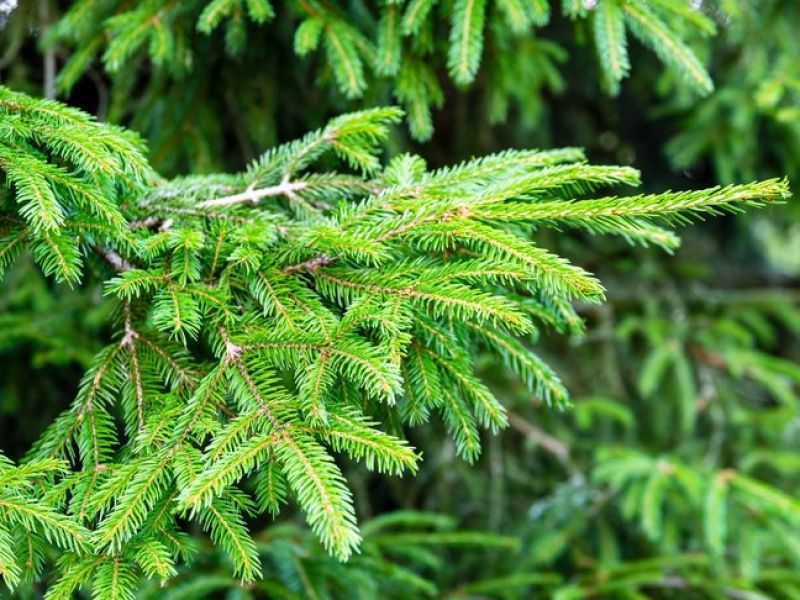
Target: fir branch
<point x="319" y="319"/>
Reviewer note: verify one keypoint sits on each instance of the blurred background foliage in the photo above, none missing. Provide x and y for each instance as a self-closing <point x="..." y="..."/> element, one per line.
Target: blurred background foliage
<point x="676" y="474"/>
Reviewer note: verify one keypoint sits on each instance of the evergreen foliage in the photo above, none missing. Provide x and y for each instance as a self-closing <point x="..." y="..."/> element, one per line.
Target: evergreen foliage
<point x="677" y="462"/>
<point x="754" y="112"/>
<point x="68" y="173"/>
<point x="674" y="471"/>
<point x="269" y="319"/>
<point x="399" y="558"/>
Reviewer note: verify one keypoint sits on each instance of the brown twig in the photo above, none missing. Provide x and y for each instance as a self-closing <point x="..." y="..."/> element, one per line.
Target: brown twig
<point x="114" y="259"/>
<point x="552" y="445"/>
<point x="311" y="265"/>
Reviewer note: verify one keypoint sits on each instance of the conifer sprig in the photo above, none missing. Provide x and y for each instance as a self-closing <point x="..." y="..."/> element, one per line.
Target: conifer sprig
<point x="268" y="319"/>
<point x="69" y="175"/>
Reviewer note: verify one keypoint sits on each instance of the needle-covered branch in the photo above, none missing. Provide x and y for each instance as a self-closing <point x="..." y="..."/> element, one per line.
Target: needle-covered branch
<point x="256" y="340"/>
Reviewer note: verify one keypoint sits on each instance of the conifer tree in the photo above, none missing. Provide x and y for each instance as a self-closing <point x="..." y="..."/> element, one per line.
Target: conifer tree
<point x="316" y="304"/>
<point x="395" y="51"/>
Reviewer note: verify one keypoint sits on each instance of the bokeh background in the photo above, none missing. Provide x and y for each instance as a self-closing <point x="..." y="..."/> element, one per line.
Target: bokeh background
<point x="676" y="472"/>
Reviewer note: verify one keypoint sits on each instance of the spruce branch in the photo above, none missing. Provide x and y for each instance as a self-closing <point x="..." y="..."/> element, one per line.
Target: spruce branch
<point x="317" y="320"/>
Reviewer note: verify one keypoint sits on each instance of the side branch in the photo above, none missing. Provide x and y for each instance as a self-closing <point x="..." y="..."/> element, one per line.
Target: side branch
<point x="552" y="445"/>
